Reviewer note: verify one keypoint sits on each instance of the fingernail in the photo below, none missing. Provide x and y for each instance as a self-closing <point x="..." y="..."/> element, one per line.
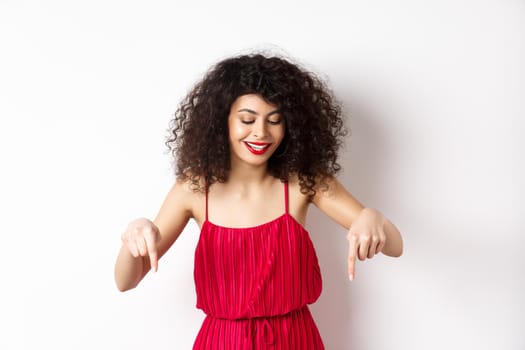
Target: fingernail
<point x="351" y="277"/>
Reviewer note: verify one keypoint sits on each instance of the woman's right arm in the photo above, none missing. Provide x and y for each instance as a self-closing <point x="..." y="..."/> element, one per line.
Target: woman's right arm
<point x="144" y="241"/>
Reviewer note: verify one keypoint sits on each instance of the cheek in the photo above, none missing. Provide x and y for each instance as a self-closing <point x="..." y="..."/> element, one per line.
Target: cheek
<point x="237" y="131"/>
<point x="280" y="135"/>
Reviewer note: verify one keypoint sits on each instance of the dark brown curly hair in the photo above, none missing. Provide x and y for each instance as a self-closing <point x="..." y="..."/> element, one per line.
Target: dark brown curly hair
<point x="198" y="133"/>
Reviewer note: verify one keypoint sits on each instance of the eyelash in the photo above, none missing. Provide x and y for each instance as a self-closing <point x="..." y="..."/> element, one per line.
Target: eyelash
<point x="269" y="121"/>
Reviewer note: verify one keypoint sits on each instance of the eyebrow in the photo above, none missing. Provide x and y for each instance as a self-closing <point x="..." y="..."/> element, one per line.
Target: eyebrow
<point x="251" y="111"/>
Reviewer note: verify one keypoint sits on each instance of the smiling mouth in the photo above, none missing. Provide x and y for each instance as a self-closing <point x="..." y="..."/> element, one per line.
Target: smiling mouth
<point x="257" y="148"/>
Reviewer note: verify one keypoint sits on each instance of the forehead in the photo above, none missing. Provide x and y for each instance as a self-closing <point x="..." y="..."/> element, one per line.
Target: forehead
<point x="253" y="102"/>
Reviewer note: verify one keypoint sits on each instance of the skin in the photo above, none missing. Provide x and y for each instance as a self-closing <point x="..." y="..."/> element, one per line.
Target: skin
<point x="259" y="196"/>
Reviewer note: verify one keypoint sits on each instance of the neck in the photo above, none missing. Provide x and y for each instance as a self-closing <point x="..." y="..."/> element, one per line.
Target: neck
<point x="248" y="174"/>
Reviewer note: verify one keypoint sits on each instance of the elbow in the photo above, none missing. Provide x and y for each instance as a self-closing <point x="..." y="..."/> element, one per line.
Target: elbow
<point x="394" y="241"/>
<point x="398" y="253"/>
<point x="397" y="250"/>
<point x="125" y="279"/>
<point x="401" y="246"/>
<point x="394" y="253"/>
<point x="123" y="282"/>
<point x="394" y="250"/>
<point x="123" y="287"/>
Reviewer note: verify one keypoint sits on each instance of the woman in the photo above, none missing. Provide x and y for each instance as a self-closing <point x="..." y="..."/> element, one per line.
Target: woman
<point x="255" y="143"/>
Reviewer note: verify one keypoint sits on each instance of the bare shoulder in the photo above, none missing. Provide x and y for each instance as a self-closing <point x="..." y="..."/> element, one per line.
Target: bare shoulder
<point x="327" y="187"/>
<point x="189" y="186"/>
<point x="180" y="202"/>
<point x="174" y="213"/>
<point x="298" y="201"/>
<point x="330" y="197"/>
<point x="294" y="187"/>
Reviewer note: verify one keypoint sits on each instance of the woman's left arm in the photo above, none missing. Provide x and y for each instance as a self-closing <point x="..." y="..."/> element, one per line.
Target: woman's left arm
<point x="369" y="231"/>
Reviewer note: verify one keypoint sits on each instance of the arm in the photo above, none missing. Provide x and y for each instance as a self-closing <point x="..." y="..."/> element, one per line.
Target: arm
<point x="144" y="242"/>
<point x="369" y="232"/>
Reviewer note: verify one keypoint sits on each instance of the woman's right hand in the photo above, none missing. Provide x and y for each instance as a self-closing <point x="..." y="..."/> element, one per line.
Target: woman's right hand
<point x="141" y="238"/>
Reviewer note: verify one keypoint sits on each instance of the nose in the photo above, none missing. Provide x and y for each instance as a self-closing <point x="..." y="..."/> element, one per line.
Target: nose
<point x="260" y="129"/>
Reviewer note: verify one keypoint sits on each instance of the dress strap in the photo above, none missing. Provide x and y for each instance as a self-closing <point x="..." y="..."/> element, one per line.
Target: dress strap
<point x="286" y="197"/>
<point x="206" y="190"/>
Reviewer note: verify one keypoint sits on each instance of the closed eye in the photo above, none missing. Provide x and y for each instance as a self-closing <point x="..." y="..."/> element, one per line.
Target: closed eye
<point x="247" y="121"/>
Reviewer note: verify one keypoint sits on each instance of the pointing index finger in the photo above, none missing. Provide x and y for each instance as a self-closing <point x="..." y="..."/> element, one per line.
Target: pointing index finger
<point x="352" y="252"/>
<point x="152" y="250"/>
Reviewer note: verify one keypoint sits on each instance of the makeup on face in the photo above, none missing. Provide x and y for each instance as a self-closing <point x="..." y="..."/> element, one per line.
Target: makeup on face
<point x="255" y="126"/>
<point x="257" y="148"/>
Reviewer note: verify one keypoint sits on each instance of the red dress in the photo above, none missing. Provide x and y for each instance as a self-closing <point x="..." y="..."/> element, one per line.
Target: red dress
<point x="254" y="285"/>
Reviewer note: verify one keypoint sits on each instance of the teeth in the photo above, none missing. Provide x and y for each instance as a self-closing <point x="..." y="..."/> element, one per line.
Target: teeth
<point x="257" y="147"/>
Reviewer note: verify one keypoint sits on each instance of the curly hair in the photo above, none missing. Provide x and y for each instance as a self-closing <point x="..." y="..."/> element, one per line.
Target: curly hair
<point x="198" y="133"/>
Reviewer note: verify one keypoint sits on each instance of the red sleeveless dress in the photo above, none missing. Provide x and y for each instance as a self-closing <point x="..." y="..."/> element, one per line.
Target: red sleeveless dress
<point x="254" y="285"/>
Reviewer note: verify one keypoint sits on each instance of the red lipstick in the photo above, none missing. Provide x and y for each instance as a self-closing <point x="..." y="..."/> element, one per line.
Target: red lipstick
<point x="257" y="148"/>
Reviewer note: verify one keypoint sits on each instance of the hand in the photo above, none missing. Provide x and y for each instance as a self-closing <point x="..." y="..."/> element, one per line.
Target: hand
<point x="141" y="237"/>
<point x="366" y="237"/>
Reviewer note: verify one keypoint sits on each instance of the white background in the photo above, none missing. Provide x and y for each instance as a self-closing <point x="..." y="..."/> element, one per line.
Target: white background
<point x="434" y="96"/>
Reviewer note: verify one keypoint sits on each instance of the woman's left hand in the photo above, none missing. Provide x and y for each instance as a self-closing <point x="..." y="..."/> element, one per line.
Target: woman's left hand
<point x="366" y="237"/>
